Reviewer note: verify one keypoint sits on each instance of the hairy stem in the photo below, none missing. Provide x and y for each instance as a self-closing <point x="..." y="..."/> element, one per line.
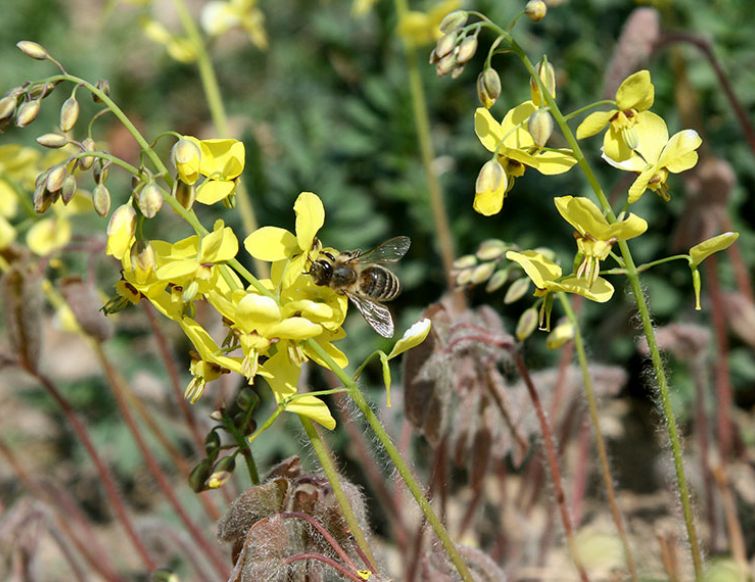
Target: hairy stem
<point x="592" y="406"/>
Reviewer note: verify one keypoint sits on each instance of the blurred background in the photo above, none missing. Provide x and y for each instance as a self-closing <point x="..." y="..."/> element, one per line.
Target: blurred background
<point x="325" y="107"/>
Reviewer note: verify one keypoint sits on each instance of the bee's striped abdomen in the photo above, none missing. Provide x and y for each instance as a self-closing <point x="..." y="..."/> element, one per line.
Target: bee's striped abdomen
<point x="379" y="283"/>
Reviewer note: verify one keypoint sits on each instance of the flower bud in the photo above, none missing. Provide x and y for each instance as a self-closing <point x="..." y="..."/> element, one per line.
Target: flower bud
<point x="497" y="281"/>
<point x="492" y="177"/>
<point x="467" y="50"/>
<point x="100" y="171"/>
<point x="104" y="86"/>
<point x="123" y="217"/>
<point x="561" y="334"/>
<point x="536" y="10"/>
<point x="27" y="112"/>
<point x="464" y="277"/>
<point x="89" y="146"/>
<point x="548" y="78"/>
<point x="69" y="188"/>
<point x="186" y="158"/>
<point x="33" y="50"/>
<point x="42" y="197"/>
<point x="446" y="65"/>
<point x="40" y="90"/>
<point x="517" y="290"/>
<point x="491" y="249"/>
<point x="222" y="472"/>
<point x="143" y="256"/>
<point x="7" y="106"/>
<point x="69" y="113"/>
<point x="457" y="71"/>
<point x="482" y="273"/>
<point x="101" y="199"/>
<point x="464" y="262"/>
<point x="52" y="140"/>
<point x="445" y="44"/>
<point x="488" y="87"/>
<point x="185" y="194"/>
<point x="540" y="126"/>
<point x="453" y="21"/>
<point x="150" y="200"/>
<point x="190" y="291"/>
<point x="55" y="177"/>
<point x="527" y="324"/>
<point x="199" y="475"/>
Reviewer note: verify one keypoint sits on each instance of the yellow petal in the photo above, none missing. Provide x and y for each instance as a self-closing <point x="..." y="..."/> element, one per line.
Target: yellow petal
<point x="212" y="191"/>
<point x="630" y="227"/>
<point x="488" y="130"/>
<point x="548" y="163"/>
<point x="222" y="159"/>
<point x="8" y="200"/>
<point x="636" y="92"/>
<point x="652" y="136"/>
<point x="206" y="347"/>
<point x="583" y="215"/>
<point x="324" y="340"/>
<point x="295" y="328"/>
<point x="514" y="126"/>
<point x="413" y="336"/>
<point x="615" y="146"/>
<point x="219" y="246"/>
<point x="174" y="271"/>
<point x="7" y="233"/>
<point x="218" y="17"/>
<point x="638" y="187"/>
<point x="48" y="235"/>
<point x="313" y="408"/>
<point x="271" y="243"/>
<point x="600" y="291"/>
<point x="703" y="250"/>
<point x="679" y="154"/>
<point x="120" y="231"/>
<point x="259" y="309"/>
<point x="538" y="267"/>
<point x="310" y="216"/>
<point x="415" y="29"/>
<point x="594" y="123"/>
<point x="561" y="334"/>
<point x="490" y="202"/>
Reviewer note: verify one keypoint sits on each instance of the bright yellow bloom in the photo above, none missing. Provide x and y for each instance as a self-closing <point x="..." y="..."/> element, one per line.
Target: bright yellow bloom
<point x="656" y="155"/>
<point x="120" y="231"/>
<point x="561" y="334"/>
<point x="53" y="232"/>
<point x="634" y="98"/>
<point x="515" y="149"/>
<point x="179" y="48"/>
<point x="218" y="17"/>
<point x="595" y="235"/>
<point x="291" y="252"/>
<point x="221" y="162"/>
<point x="423" y="28"/>
<point x="546" y="275"/>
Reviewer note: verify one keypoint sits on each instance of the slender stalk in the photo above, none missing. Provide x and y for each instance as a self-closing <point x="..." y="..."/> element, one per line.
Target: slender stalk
<point x="108" y="481"/>
<point x="219" y="117"/>
<point x="643" y="310"/>
<point x="422" y="120"/>
<point x="198" y="536"/>
<point x="329" y="468"/>
<point x="307" y="556"/>
<point x="398" y="461"/>
<point x="592" y="407"/>
<point x="246" y="452"/>
<point x="549" y="445"/>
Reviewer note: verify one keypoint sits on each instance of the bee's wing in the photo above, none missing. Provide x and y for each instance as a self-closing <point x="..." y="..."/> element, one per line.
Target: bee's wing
<point x="388" y="252"/>
<point x="376" y="314"/>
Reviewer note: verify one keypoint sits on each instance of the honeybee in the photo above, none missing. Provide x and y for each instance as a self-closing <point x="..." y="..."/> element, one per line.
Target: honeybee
<point x="364" y="279"/>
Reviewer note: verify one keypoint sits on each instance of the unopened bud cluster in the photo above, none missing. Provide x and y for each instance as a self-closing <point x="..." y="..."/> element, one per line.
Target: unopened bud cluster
<point x="456" y="47"/>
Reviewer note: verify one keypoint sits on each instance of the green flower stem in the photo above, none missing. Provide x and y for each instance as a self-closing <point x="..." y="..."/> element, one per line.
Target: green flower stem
<point x="592" y="406"/>
<point x="116" y="161"/>
<point x="576" y="112"/>
<point x="642" y="308"/>
<point x="646" y="266"/>
<point x="246" y="451"/>
<point x="329" y="467"/>
<point x="219" y="117"/>
<point x="401" y="466"/>
<point x="422" y="119"/>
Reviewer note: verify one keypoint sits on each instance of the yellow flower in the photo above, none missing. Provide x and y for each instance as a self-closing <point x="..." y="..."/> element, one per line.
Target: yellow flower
<point x="52" y="233"/>
<point x="718" y="243"/>
<point x="179" y="48"/>
<point x="221" y="162"/>
<point x="546" y="275"/>
<point x="291" y="252"/>
<point x="7" y="233"/>
<point x="595" y="235"/>
<point x="187" y="156"/>
<point x="634" y="98"/>
<point x="120" y="231"/>
<point x="283" y="377"/>
<point x="423" y="28"/>
<point x="656" y="155"/>
<point x="515" y="149"/>
<point x="218" y="17"/>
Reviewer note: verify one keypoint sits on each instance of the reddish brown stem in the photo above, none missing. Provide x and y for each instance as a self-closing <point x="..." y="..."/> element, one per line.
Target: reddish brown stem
<point x="116" y="382"/>
<point x="549" y="445"/>
<point x="323" y="532"/>
<point x="724" y="397"/>
<point x="306" y="556"/>
<point x="108" y="481"/>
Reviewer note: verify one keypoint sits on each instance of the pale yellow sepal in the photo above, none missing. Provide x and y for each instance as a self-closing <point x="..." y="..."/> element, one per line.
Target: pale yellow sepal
<point x="703" y="250"/>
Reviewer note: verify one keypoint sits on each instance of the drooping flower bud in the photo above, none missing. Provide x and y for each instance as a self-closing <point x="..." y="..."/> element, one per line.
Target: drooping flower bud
<point x="42" y="197"/>
<point x="467" y="50"/>
<point x="89" y="146"/>
<point x="55" y="177"/>
<point x="547" y="75"/>
<point x="465" y="261"/>
<point x="497" y="281"/>
<point x="527" y="324"/>
<point x="453" y="21"/>
<point x="536" y="10"/>
<point x="100" y="171"/>
<point x="491" y="249"/>
<point x="122" y="219"/>
<point x="7" y="107"/>
<point x="445" y="65"/>
<point x="492" y="177"/>
<point x="186" y="158"/>
<point x="540" y="126"/>
<point x="69" y="113"/>
<point x="101" y="199"/>
<point x="150" y="200"/>
<point x="517" y="290"/>
<point x="28" y="112"/>
<point x="185" y="194"/>
<point x="33" y="50"/>
<point x="104" y="86"/>
<point x="68" y="190"/>
<point x="482" y="273"/>
<point x="52" y="140"/>
<point x="143" y="256"/>
<point x="488" y="87"/>
<point x="446" y="44"/>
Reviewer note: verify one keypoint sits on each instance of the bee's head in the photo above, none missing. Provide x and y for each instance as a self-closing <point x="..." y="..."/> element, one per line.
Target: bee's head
<point x="322" y="269"/>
